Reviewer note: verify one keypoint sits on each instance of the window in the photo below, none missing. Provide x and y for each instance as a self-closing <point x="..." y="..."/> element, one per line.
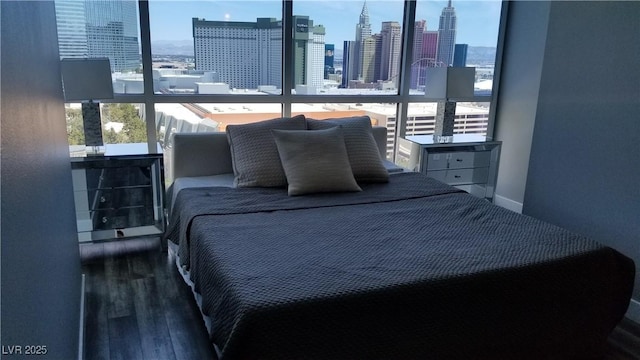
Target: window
<point x="107" y="28"/>
<point x="208" y="63"/>
<point x="470" y="118"/>
<point x="122" y="123"/>
<point x="456" y="33"/>
<point x="357" y="52"/>
<point x="221" y="47"/>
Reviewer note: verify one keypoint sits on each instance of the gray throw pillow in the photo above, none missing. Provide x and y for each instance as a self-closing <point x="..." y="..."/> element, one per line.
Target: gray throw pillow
<point x="315" y="161"/>
<point x="366" y="163"/>
<point x="254" y="153"/>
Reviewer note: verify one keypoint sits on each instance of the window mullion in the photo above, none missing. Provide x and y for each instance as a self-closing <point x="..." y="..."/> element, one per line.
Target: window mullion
<point x="287" y="56"/>
<point x="406" y="57"/>
<point x="147" y="71"/>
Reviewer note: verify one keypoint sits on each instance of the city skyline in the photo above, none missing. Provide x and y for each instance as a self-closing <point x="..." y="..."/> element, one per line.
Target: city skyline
<point x="476" y="14"/>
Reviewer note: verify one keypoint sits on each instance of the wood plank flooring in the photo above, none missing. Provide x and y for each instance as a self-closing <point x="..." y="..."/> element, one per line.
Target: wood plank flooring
<point x="138" y="307"/>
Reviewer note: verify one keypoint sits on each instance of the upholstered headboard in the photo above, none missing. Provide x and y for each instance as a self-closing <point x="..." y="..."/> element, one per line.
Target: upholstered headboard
<point x="205" y="154"/>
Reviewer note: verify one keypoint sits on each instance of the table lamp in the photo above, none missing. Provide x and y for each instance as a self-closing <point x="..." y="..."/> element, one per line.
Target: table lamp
<point x="446" y="85"/>
<point x="87" y="80"/>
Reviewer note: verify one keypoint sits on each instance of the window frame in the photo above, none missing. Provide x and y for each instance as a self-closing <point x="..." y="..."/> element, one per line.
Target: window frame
<point x="403" y="98"/>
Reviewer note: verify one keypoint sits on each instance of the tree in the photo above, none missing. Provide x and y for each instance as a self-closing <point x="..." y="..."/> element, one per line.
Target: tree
<point x="75" y="128"/>
<point x="134" y="129"/>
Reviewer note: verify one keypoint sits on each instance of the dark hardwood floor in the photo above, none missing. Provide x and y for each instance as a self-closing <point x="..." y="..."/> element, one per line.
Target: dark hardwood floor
<point x="138" y="307"/>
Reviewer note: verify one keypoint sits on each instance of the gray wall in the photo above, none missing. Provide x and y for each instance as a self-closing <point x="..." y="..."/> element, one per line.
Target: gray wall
<point x="41" y="274"/>
<point x="524" y="48"/>
<point x="584" y="168"/>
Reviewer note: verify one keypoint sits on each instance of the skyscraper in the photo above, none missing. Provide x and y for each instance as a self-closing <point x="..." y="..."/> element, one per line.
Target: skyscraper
<point x="315" y="56"/>
<point x="72" y="29"/>
<point x="349" y="64"/>
<point x="416" y="63"/>
<point x="446" y="36"/>
<point x="99" y="28"/>
<point x="460" y="55"/>
<point x="430" y="45"/>
<point x="425" y="48"/>
<point x="369" y="57"/>
<point x="244" y="54"/>
<point x="329" y="50"/>
<point x="391" y="35"/>
<point x="249" y="54"/>
<point x="363" y="32"/>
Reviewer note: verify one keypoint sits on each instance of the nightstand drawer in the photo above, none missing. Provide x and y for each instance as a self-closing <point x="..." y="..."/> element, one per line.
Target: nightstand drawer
<point x="115" y="177"/>
<point x="458" y="160"/>
<point x="121" y="197"/>
<point x="122" y="218"/>
<point x="461" y="176"/>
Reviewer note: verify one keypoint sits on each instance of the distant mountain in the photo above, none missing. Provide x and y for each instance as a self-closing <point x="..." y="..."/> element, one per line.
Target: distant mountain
<point x="172" y="47"/>
<point x="481" y="55"/>
<point x="337" y="54"/>
<point x="476" y="55"/>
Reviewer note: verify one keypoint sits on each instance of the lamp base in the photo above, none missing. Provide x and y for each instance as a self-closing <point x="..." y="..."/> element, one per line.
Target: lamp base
<point x="442" y="139"/>
<point x="92" y="124"/>
<point x="95" y="150"/>
<point x="445" y="121"/>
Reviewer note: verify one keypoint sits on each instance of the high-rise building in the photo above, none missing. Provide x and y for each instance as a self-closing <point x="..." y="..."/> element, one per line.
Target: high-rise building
<point x="425" y="48"/>
<point x="460" y="55"/>
<point x="243" y="54"/>
<point x="246" y="55"/>
<point x="363" y="32"/>
<point x="369" y="57"/>
<point x="112" y="31"/>
<point x="329" y="53"/>
<point x="315" y="54"/>
<point x="301" y="36"/>
<point x="391" y="35"/>
<point x="72" y="29"/>
<point x="446" y="36"/>
<point x="416" y="63"/>
<point x="349" y="63"/>
<point x="430" y="45"/>
<point x="99" y="28"/>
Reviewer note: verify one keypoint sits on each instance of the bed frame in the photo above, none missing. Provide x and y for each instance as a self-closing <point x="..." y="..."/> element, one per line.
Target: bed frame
<point x="204" y="159"/>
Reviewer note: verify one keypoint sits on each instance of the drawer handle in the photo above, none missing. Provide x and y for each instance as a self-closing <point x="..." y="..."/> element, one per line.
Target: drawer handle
<point x="104" y="220"/>
<point x="102" y="199"/>
<point x="457" y="176"/>
<point x="459" y="160"/>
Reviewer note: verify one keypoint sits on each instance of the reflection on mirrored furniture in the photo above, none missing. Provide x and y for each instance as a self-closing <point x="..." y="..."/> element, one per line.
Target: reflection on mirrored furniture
<point x="468" y="162"/>
<point x="118" y="196"/>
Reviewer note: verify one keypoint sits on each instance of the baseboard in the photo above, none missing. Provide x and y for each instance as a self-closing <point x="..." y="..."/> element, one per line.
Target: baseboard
<point x="507" y="203"/>
<point x="633" y="312"/>
<point x="82" y="321"/>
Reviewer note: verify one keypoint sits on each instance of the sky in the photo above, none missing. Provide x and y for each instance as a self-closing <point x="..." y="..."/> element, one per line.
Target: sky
<point x="478" y="20"/>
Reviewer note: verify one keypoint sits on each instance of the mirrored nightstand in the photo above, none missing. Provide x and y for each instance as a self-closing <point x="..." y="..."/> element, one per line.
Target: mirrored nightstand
<point x="468" y="162"/>
<point x="118" y="196"/>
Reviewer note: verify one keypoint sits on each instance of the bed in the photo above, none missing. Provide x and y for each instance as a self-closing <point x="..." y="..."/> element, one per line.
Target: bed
<point x="408" y="268"/>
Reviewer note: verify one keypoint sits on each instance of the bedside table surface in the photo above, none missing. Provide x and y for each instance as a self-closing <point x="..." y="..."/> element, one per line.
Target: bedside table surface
<point x="458" y="139"/>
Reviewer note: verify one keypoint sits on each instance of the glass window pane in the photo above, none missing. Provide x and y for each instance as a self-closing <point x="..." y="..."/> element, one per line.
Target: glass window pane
<point x="383" y="114"/>
<point x="347" y="47"/>
<point x="174" y="118"/>
<point x="216" y="47"/>
<point x="103" y="28"/>
<point x="121" y="124"/>
<point x="456" y="33"/>
<point x="471" y="118"/>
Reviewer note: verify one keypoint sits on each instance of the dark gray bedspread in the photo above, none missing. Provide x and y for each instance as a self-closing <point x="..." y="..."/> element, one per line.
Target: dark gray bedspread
<point x="409" y="269"/>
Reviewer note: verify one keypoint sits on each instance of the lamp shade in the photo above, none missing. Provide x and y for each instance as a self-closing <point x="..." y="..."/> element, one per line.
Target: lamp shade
<point x="86" y="79"/>
<point x="450" y="82"/>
